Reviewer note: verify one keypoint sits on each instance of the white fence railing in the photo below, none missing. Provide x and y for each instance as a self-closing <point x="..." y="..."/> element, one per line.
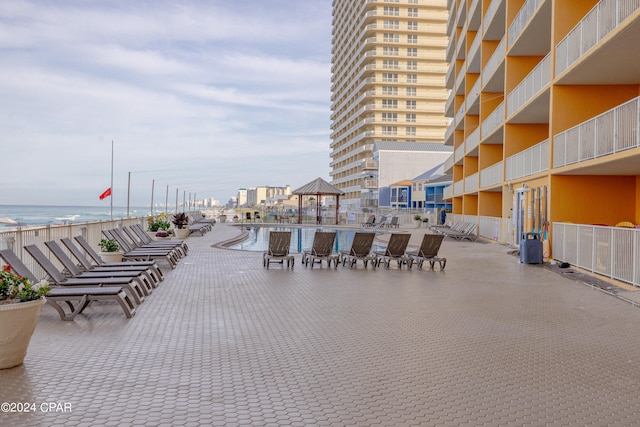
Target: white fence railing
<point x="491" y="13"/>
<point x="459" y="153"/>
<point x="493" y="120"/>
<point x="600" y="21"/>
<point x="492" y="175"/>
<point x="458" y="188"/>
<point x="528" y="162"/>
<point x="522" y="19"/>
<point x="490" y="227"/>
<point x="536" y="80"/>
<point x="447" y="192"/>
<point x="612" y="131"/>
<point x="496" y="59"/>
<point x="472" y="141"/>
<point x="17" y="238"/>
<point x="471" y="183"/>
<point x="610" y="251"/>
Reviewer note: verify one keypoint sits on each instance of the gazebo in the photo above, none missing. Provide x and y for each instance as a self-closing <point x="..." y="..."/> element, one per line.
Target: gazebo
<point x="318" y="187"/>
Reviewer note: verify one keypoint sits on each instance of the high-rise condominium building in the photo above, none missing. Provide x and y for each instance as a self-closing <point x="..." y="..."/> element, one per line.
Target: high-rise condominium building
<point x="388" y="84"/>
<point x="546" y="126"/>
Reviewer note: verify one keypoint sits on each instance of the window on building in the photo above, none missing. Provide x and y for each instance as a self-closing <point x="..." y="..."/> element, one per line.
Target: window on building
<point x="390" y="90"/>
<point x="412" y="12"/>
<point x="391" y="64"/>
<point x="390" y="51"/>
<point x="412" y="51"/>
<point x="411" y="118"/>
<point x="412" y="38"/>
<point x="390" y="103"/>
<point x="412" y="78"/>
<point x="391" y="38"/>
<point x="411" y="105"/>
<point x="410" y="131"/>
<point x="391" y="11"/>
<point x="411" y="91"/>
<point x="389" y="130"/>
<point x="413" y="1"/>
<point x="390" y="77"/>
<point x="389" y="117"/>
<point x="391" y="24"/>
<point x="412" y="25"/>
<point x="412" y="65"/>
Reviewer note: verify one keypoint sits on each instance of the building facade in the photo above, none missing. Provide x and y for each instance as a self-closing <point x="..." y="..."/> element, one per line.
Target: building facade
<point x="388" y="84"/>
<point x="545" y="107"/>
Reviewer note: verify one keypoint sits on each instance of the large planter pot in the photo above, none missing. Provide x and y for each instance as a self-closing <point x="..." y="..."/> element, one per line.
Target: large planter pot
<point x="222" y="218"/>
<point x="17" y="323"/>
<point x="417" y="223"/>
<point x="111" y="256"/>
<point x="181" y="233"/>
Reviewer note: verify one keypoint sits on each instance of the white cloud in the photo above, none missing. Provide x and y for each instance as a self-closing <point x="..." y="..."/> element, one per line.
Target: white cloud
<point x="232" y="93"/>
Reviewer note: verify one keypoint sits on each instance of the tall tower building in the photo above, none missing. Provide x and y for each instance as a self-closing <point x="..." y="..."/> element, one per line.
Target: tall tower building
<point x="388" y="84"/>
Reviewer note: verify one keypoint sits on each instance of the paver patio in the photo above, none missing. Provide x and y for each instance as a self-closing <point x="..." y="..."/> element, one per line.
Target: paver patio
<point x="223" y="341"/>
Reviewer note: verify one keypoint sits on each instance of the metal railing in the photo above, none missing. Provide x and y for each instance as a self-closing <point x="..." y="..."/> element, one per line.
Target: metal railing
<point x="600" y="21"/>
<point x="472" y="141"/>
<point x="490" y="227"/>
<point x="612" y="131"/>
<point x="496" y="59"/>
<point x="17" y="238"/>
<point x="528" y="162"/>
<point x="611" y="251"/>
<point x="492" y="175"/>
<point x="536" y="80"/>
<point x="521" y="20"/>
<point x="491" y="13"/>
<point x="471" y="183"/>
<point x="493" y="120"/>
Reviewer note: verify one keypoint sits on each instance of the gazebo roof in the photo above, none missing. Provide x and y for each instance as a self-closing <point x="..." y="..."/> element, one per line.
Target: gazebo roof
<point x="317" y="186"/>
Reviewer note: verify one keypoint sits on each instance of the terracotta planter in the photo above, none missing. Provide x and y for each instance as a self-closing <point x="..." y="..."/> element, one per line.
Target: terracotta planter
<point x="111" y="256"/>
<point x="17" y="323"/>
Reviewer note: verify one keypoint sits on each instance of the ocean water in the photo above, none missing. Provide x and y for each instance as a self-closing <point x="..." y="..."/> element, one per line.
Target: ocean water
<point x="12" y="216"/>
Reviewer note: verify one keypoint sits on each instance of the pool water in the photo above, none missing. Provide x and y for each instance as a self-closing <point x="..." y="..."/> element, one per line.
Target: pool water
<point x="301" y="238"/>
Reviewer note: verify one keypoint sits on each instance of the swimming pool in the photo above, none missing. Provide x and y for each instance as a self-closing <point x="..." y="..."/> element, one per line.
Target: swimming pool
<point x="301" y="238"/>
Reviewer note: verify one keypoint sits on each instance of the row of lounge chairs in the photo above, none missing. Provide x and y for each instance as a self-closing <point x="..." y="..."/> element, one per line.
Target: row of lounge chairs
<point x="198" y="223"/>
<point x="84" y="276"/>
<point x="371" y="222"/>
<point x="459" y="231"/>
<point x="360" y="250"/>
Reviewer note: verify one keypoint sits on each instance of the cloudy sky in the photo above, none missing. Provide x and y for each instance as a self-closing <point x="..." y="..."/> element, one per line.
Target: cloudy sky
<point x="203" y="96"/>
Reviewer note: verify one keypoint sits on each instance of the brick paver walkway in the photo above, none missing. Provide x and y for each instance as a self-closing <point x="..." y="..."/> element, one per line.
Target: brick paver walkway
<point x="223" y="341"/>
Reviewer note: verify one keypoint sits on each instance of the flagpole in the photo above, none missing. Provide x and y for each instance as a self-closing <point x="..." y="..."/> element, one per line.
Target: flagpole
<point x="111" y="214"/>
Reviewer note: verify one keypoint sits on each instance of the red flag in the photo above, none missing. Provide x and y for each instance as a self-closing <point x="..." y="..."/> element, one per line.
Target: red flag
<point x="106" y="194"/>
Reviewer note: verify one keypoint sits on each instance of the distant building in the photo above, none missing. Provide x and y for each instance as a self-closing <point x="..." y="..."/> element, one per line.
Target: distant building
<point x="396" y="161"/>
<point x="388" y="85"/>
<point x="259" y="196"/>
<point x="428" y="190"/>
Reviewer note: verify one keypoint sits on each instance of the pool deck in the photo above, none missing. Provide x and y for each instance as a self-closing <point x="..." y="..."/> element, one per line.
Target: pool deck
<point x="224" y="342"/>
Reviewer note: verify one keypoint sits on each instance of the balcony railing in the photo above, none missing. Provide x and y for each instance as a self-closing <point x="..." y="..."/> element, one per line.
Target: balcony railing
<point x="529" y="162"/>
<point x="447" y="192"/>
<point x="370" y="164"/>
<point x="370" y="183"/>
<point x="448" y="164"/>
<point x="493" y="121"/>
<point x="471" y="183"/>
<point x="522" y="19"/>
<point x="600" y="21"/>
<point x="493" y="175"/>
<point x="610" y="251"/>
<point x="458" y="187"/>
<point x="472" y="141"/>
<point x="496" y="59"/>
<point x="610" y="132"/>
<point x="491" y="13"/>
<point x="535" y="81"/>
<point x="459" y="153"/>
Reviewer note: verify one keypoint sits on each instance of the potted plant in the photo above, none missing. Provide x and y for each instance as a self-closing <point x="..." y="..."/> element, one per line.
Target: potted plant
<point x="110" y="250"/>
<point x="156" y="224"/>
<point x="181" y="221"/>
<point x="20" y="303"/>
<point x="417" y="219"/>
<point x="425" y="222"/>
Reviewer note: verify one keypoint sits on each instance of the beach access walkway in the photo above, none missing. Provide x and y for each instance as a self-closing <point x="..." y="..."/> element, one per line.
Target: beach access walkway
<point x="225" y="342"/>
